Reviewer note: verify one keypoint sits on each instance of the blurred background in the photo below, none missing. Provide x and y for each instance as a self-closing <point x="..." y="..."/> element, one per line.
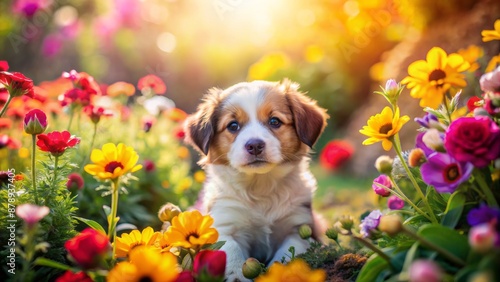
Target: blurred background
<point x="339" y="51"/>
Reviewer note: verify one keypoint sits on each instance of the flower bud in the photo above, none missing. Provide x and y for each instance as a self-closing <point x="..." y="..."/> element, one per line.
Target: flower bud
<point x="168" y="211"/>
<point x="35" y="122"/>
<point x="483" y="237"/>
<point x="384" y="164"/>
<point x="395" y="203"/>
<point x="331" y="233"/>
<point x="390" y="224"/>
<point x="434" y="140"/>
<point x="392" y="91"/>
<point x="381" y="185"/>
<point x="346" y="222"/>
<point x="251" y="268"/>
<point x="425" y="271"/>
<point x="75" y="181"/>
<point x="305" y="231"/>
<point x="416" y="157"/>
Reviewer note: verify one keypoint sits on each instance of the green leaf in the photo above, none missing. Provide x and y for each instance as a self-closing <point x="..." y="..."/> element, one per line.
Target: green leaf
<point x="447" y="239"/>
<point x="215" y="246"/>
<point x="91" y="223"/>
<point x="454" y="210"/>
<point x="372" y="268"/>
<point x="51" y="263"/>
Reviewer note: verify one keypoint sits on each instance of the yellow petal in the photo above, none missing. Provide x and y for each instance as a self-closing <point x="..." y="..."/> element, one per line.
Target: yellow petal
<point x="437" y="58"/>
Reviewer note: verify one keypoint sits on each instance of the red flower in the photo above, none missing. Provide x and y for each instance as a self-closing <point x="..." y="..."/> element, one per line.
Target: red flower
<point x="75" y="181"/>
<point x="472" y="103"/>
<point x="56" y="142"/>
<point x="35" y="122"/>
<point x="6" y="141"/>
<point x="88" y="248"/>
<point x="70" y="276"/>
<point x="149" y="166"/>
<point x="185" y="276"/>
<point x="153" y="83"/>
<point x="95" y="113"/>
<point x="179" y="133"/>
<point x="209" y="264"/>
<point x="5" y="123"/>
<point x="75" y="96"/>
<point x="4" y="66"/>
<point x="335" y="154"/>
<point x="17" y="84"/>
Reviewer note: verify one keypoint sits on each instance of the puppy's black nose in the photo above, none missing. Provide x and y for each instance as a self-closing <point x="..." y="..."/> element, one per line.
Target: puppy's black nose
<point x="255" y="146"/>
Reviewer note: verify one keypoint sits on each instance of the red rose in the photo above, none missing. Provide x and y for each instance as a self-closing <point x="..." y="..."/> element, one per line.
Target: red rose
<point x="70" y="276"/>
<point x="209" y="264"/>
<point x="185" y="276"/>
<point x="56" y="142"/>
<point x="88" y="247"/>
<point x="153" y="83"/>
<point x="17" y="84"/>
<point x="335" y="154"/>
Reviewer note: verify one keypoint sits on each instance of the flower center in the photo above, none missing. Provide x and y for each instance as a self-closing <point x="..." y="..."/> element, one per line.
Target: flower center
<point x="451" y="173"/>
<point x="145" y="279"/>
<point x="193" y="234"/>
<point x="437" y="75"/>
<point x="384" y="129"/>
<point x="110" y="167"/>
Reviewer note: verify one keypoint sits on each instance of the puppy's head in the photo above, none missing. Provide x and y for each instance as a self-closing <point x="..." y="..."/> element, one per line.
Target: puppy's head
<point x="254" y="126"/>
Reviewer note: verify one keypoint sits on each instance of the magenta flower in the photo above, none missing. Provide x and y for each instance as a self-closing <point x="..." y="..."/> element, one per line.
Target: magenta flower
<point x="425" y="271"/>
<point x="383" y="180"/>
<point x="370" y="223"/>
<point x="444" y="172"/>
<point x="395" y="203"/>
<point x="484" y="237"/>
<point x="35" y="122"/>
<point x="31" y="214"/>
<point x="473" y="139"/>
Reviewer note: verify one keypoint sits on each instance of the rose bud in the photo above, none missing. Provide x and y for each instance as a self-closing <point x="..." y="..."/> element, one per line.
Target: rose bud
<point x="88" y="248"/>
<point x="251" y="268"/>
<point x="210" y="265"/>
<point x="380" y="184"/>
<point x="35" y="122"/>
<point x="425" y="271"/>
<point x="395" y="203"/>
<point x="483" y="237"/>
<point x="305" y="231"/>
<point x="168" y="211"/>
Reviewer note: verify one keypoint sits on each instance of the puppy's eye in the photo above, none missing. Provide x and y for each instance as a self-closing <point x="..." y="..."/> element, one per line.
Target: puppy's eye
<point x="233" y="126"/>
<point x="275" y="122"/>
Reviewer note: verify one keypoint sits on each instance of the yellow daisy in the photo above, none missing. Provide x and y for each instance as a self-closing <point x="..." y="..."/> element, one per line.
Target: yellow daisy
<point x="190" y="229"/>
<point x="127" y="242"/>
<point x="297" y="270"/>
<point x="493" y="63"/>
<point x="429" y="80"/>
<point x="113" y="161"/>
<point x="146" y="264"/>
<point x="489" y="35"/>
<point x="382" y="127"/>
<point x="472" y="54"/>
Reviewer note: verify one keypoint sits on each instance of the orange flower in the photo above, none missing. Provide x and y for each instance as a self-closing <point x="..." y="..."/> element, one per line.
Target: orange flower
<point x="120" y="88"/>
<point x="176" y="114"/>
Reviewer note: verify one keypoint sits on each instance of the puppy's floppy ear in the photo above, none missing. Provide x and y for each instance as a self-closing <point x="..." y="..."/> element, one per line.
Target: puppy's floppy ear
<point x="200" y="127"/>
<point x="309" y="118"/>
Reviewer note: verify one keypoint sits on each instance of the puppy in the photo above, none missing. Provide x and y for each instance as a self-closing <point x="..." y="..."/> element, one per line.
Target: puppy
<point x="254" y="138"/>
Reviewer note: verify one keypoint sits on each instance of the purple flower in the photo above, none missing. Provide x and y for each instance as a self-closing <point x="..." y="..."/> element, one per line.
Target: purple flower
<point x="429" y="121"/>
<point x="445" y="173"/>
<point x="473" y="139"/>
<point x="482" y="214"/>
<point x="395" y="203"/>
<point x="370" y="222"/>
<point x="383" y="180"/>
<point x="491" y="81"/>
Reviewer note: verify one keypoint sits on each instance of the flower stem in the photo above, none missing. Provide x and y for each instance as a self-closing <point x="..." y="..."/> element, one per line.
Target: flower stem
<point x="373" y="248"/>
<point x="33" y="174"/>
<point x="490" y="198"/>
<point x="402" y="195"/>
<point x="72" y="109"/>
<point x="90" y="149"/>
<point x="434" y="247"/>
<point x="397" y="148"/>
<point x="4" y="109"/>
<point x="114" y="208"/>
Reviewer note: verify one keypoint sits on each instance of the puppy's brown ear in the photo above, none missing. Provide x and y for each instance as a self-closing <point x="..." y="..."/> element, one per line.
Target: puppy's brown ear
<point x="200" y="126"/>
<point x="309" y="118"/>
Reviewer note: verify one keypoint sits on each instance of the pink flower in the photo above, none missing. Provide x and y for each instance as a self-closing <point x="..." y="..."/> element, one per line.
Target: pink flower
<point x="425" y="271"/>
<point x="383" y="180"/>
<point x="149" y="166"/>
<point x="473" y="139"/>
<point x="395" y="203"/>
<point x="491" y="81"/>
<point x="9" y="142"/>
<point x="52" y="45"/>
<point x="484" y="237"/>
<point x="152" y="83"/>
<point x="75" y="181"/>
<point x="95" y="113"/>
<point x="209" y="264"/>
<point x="30" y="7"/>
<point x="31" y="214"/>
<point x="35" y="122"/>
